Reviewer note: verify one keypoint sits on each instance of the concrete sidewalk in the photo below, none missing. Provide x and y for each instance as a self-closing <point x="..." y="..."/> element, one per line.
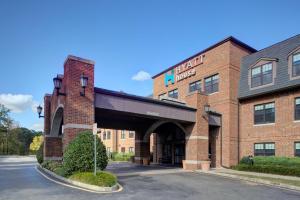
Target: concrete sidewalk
<point x="262" y="178"/>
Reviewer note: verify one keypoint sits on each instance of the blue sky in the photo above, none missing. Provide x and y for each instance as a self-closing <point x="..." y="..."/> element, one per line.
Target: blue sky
<point x="123" y="38"/>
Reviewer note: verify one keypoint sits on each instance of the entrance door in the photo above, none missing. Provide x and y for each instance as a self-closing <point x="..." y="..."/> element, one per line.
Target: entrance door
<point x="179" y="153"/>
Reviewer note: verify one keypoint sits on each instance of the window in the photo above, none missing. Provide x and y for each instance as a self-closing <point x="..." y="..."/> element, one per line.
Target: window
<point x="131" y="134"/>
<point x="264" y="113"/>
<point x="262" y="75"/>
<point x="173" y="94"/>
<point x="123" y="149"/>
<point x="297" y="149"/>
<point x="104" y="135"/>
<point x="212" y="84"/>
<point x="195" y="86"/>
<point x="108" y="150"/>
<point x="108" y="135"/>
<point x="131" y="149"/>
<point x="297" y="108"/>
<point x="161" y="96"/>
<point x="122" y="134"/>
<point x="264" y="149"/>
<point x="296" y="64"/>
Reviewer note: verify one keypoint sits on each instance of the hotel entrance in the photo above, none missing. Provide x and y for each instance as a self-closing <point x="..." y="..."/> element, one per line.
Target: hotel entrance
<point x="169" y="142"/>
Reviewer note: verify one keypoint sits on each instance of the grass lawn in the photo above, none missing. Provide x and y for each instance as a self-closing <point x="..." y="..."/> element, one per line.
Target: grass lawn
<point x="273" y="180"/>
<point x="102" y="179"/>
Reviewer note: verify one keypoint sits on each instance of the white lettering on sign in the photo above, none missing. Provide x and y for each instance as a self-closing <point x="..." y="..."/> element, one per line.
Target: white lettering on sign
<point x="186" y="74"/>
<point x="152" y="113"/>
<point x="189" y="64"/>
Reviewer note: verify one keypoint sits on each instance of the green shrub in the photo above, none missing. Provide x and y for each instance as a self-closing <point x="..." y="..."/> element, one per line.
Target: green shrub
<point x="121" y="156"/>
<point x="273" y="160"/>
<point x="40" y="154"/>
<point x="245" y="160"/>
<point x="51" y="165"/>
<point x="103" y="179"/>
<point x="271" y="169"/>
<point x="60" y="171"/>
<point x="79" y="154"/>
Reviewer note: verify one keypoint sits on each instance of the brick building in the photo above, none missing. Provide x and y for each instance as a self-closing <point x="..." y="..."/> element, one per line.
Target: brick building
<point x="269" y="97"/>
<point x="220" y="104"/>
<point x="121" y="141"/>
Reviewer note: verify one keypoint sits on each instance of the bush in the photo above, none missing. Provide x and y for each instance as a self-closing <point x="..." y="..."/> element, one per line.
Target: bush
<point x="115" y="156"/>
<point x="40" y="154"/>
<point x="103" y="179"/>
<point x="271" y="169"/>
<point x="79" y="154"/>
<point x="271" y="164"/>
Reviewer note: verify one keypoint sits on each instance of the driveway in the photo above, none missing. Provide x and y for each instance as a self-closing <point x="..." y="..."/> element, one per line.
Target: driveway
<point x="20" y="180"/>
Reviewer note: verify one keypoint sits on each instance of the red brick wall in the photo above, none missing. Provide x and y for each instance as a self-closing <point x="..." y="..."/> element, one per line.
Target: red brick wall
<point x="284" y="132"/>
<point x="225" y="61"/>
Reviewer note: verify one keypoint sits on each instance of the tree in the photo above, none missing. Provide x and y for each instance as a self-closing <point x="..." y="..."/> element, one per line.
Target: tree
<point x="5" y="124"/>
<point x="36" y="143"/>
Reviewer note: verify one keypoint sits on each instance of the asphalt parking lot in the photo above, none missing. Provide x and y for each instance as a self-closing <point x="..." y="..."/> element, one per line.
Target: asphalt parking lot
<point x="20" y="180"/>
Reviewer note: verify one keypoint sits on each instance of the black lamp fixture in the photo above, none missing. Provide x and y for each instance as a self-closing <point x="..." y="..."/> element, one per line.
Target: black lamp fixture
<point x="83" y="82"/>
<point x="39" y="110"/>
<point x="57" y="84"/>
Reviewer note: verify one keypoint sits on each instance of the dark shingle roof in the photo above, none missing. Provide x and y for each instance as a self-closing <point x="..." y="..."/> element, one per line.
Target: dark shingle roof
<point x="279" y="51"/>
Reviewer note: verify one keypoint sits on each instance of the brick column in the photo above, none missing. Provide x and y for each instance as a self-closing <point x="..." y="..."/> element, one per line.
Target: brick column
<point x="197" y="141"/>
<point x="53" y="148"/>
<point x="142" y="148"/>
<point x="79" y="111"/>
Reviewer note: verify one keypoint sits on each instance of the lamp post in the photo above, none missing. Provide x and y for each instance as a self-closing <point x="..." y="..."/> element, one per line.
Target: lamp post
<point x="39" y="110"/>
<point x="207" y="108"/>
<point x="57" y="81"/>
<point x="83" y="82"/>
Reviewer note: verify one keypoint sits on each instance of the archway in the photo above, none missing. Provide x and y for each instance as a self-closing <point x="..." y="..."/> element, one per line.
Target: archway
<point x="168" y="145"/>
<point x="57" y="122"/>
<point x="53" y="142"/>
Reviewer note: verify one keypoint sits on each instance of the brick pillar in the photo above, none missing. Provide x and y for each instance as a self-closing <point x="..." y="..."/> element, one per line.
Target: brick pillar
<point x="47" y="117"/>
<point x="142" y="148"/>
<point x="79" y="111"/>
<point x="197" y="140"/>
<point x="53" y="147"/>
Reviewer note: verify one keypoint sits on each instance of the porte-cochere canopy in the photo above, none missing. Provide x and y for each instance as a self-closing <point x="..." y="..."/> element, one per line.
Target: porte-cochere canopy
<point x="120" y="110"/>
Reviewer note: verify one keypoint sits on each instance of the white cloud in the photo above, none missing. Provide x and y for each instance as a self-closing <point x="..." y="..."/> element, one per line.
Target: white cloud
<point x="38" y="126"/>
<point x="141" y="76"/>
<point x="17" y="102"/>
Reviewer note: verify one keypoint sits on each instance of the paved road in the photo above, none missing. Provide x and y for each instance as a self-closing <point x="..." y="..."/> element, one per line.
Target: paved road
<point x="20" y="180"/>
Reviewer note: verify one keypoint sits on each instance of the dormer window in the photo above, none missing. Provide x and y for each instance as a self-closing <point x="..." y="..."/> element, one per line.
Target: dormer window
<point x="262" y="75"/>
<point x="296" y="64"/>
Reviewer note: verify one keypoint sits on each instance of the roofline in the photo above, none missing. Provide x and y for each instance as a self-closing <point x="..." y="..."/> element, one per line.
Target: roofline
<point x="230" y="38"/>
<point x="141" y="98"/>
<point x="76" y="58"/>
<point x="291" y="87"/>
<point x="270" y="46"/>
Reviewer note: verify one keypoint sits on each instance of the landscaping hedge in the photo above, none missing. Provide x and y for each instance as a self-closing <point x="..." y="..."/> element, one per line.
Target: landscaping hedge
<point x="103" y="179"/>
<point x="79" y="154"/>
<point x="272" y="165"/>
<point x="121" y="156"/>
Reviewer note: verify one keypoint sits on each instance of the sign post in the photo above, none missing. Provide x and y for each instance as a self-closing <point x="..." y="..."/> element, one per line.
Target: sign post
<point x="95" y="147"/>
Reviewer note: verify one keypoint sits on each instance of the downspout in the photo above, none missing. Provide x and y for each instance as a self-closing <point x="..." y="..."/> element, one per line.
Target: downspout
<point x="238" y="131"/>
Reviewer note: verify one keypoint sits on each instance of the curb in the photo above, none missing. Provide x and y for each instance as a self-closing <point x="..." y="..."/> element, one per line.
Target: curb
<point x="255" y="180"/>
<point x="83" y="186"/>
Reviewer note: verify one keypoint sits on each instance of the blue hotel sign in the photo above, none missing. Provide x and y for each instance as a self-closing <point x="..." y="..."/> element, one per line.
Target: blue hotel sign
<point x="183" y="71"/>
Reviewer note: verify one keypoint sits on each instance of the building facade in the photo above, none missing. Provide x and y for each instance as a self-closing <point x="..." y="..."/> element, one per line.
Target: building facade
<point x="214" y="72"/>
<point x="269" y="95"/>
<point x="121" y="141"/>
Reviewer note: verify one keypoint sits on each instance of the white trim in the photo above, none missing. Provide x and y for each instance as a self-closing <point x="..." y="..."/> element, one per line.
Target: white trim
<point x="267" y="124"/>
<point x="195" y="161"/>
<point x="196" y="137"/>
<point x="296" y="121"/>
<point x="81" y="126"/>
